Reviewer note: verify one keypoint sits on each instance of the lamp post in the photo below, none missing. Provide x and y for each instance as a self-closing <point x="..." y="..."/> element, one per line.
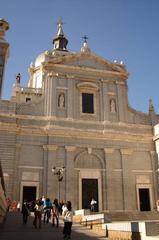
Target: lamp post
<point x="59" y="172"/>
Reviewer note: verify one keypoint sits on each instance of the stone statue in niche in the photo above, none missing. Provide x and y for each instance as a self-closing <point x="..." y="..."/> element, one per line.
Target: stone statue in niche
<point x="61" y="100"/>
<point x="112" y="106"/>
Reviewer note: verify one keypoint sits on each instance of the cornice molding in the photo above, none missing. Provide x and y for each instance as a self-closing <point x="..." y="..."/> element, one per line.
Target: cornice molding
<point x="84" y="70"/>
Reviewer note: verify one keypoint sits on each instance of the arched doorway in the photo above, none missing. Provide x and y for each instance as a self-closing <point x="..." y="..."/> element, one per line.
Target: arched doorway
<point x="90" y="168"/>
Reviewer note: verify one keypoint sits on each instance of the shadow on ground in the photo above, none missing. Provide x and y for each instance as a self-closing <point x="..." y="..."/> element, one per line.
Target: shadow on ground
<point x="14" y="229"/>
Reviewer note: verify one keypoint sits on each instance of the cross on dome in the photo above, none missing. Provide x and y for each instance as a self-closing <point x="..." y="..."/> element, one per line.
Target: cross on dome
<point x="60" y="29"/>
<point x="85" y="38"/>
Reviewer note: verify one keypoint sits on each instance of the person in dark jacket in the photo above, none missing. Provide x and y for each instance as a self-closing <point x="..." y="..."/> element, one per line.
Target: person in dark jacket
<point x="25" y="212"/>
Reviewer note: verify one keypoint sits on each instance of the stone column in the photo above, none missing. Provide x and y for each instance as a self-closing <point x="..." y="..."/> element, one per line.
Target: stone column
<point x="106" y="175"/>
<point x="4" y="51"/>
<point x="52" y="186"/>
<point x="70" y="174"/>
<point x="125" y="159"/>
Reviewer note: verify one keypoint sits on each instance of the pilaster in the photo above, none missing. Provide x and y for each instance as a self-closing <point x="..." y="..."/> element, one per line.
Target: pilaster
<point x="45" y="169"/>
<point x="16" y="179"/>
<point x="108" y="157"/>
<point x="105" y="101"/>
<point x="126" y="157"/>
<point x="70" y="97"/>
<point x="50" y="95"/>
<point x="70" y="186"/>
<point x="51" y="179"/>
<point x="155" y="172"/>
<point x="121" y="100"/>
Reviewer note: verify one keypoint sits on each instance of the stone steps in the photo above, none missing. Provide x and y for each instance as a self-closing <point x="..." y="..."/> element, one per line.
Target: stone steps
<point x="131" y="216"/>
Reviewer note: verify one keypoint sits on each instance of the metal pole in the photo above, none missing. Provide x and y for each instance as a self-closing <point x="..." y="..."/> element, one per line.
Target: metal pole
<point x="59" y="192"/>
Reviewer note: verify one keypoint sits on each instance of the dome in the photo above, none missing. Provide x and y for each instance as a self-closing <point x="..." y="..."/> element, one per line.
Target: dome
<point x="40" y="59"/>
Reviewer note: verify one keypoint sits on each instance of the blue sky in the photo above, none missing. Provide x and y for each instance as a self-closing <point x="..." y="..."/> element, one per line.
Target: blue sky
<point x="123" y="30"/>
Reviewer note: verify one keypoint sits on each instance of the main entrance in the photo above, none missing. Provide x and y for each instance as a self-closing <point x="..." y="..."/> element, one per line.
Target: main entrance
<point x="89" y="191"/>
<point x="29" y="193"/>
<point x="144" y="198"/>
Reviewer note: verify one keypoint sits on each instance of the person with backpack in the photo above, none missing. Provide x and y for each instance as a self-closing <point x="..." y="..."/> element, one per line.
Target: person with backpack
<point x="47" y="210"/>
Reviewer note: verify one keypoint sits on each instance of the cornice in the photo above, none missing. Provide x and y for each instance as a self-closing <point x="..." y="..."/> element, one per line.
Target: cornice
<point x="84" y="70"/>
<point x="68" y="132"/>
<point x="80" y="121"/>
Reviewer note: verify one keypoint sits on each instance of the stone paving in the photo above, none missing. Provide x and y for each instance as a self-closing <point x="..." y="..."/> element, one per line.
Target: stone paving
<point x="13" y="229"/>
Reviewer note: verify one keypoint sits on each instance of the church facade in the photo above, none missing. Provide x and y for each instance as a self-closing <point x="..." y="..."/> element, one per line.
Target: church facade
<point x="74" y="117"/>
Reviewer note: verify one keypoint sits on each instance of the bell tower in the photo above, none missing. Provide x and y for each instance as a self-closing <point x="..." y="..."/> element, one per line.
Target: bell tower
<point x="60" y="41"/>
<point x="4" y="51"/>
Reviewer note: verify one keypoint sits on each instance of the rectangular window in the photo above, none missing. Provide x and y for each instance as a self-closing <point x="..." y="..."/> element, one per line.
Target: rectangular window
<point x="87" y="103"/>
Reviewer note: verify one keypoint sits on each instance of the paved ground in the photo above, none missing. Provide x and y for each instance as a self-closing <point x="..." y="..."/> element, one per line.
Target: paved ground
<point x="13" y="229"/>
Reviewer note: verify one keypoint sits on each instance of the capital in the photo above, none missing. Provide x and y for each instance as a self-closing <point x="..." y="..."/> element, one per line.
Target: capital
<point x="126" y="151"/>
<point x="70" y="148"/>
<point x="108" y="150"/>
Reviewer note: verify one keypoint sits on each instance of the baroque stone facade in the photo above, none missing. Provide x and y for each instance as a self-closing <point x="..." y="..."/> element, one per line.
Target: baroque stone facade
<point x="75" y="114"/>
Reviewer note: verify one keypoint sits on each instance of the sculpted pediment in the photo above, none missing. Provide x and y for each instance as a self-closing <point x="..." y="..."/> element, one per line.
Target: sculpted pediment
<point x="89" y="60"/>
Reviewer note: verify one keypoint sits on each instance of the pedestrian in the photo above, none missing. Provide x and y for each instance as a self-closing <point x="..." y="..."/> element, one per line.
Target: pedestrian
<point x="38" y="214"/>
<point x="64" y="209"/>
<point x="68" y="219"/>
<point x="93" y="202"/>
<point x="55" y="213"/>
<point x="8" y="202"/>
<point x="18" y="206"/>
<point x="47" y="210"/>
<point x="25" y="211"/>
<point x="60" y="206"/>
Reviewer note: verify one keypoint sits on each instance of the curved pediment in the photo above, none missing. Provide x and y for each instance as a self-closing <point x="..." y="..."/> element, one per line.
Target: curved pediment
<point x="87" y="85"/>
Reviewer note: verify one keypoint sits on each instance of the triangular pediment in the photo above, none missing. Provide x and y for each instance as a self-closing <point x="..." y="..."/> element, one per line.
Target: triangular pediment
<point x="89" y="60"/>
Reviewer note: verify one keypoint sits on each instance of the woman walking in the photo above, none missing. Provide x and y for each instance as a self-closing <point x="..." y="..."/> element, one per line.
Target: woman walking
<point x="38" y="214"/>
<point x="68" y="219"/>
<point x="55" y="213"/>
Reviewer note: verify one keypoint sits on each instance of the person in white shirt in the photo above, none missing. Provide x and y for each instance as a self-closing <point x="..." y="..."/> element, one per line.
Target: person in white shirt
<point x="68" y="219"/>
<point x="93" y="202"/>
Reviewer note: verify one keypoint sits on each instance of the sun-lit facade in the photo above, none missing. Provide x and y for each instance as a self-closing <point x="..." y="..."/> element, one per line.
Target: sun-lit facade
<point x="75" y="114"/>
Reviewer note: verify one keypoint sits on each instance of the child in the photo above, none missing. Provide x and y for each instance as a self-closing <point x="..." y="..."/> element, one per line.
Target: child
<point x="68" y="218"/>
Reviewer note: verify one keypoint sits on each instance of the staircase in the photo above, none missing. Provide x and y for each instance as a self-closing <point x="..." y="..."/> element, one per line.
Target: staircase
<point x="131" y="216"/>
